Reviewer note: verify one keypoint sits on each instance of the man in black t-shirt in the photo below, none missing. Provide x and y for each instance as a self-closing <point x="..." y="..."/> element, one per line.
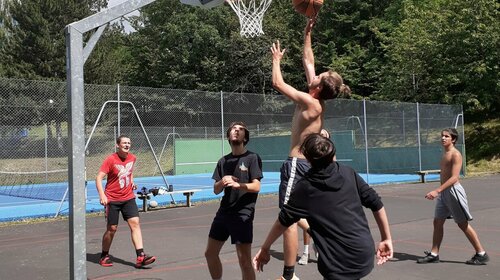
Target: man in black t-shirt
<point x="238" y="174"/>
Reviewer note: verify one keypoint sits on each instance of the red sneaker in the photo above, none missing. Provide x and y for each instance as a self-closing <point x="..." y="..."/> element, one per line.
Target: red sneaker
<point x="144" y="260"/>
<point x="105" y="261"/>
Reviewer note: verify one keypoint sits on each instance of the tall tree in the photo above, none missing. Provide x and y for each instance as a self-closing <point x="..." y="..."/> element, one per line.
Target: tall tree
<point x="4" y="16"/>
<point x="348" y="41"/>
<point x="35" y="47"/>
<point x="109" y="62"/>
<point x="446" y="51"/>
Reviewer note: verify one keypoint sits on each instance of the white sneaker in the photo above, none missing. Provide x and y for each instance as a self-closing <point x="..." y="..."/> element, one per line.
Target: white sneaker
<point x="293" y="278"/>
<point x="304" y="259"/>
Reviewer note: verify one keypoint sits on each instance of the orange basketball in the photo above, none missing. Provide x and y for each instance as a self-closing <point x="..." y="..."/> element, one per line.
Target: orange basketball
<point x="307" y="7"/>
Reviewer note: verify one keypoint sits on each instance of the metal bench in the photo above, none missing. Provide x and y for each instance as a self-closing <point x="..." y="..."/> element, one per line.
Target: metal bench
<point x="422" y="173"/>
<point x="147" y="196"/>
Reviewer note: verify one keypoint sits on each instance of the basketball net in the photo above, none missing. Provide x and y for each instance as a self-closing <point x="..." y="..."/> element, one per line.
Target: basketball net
<point x="250" y="13"/>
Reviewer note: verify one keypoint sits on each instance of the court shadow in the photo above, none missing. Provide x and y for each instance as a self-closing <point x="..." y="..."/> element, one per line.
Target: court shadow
<point x="280" y="256"/>
<point x="457" y="262"/>
<point x="95" y="259"/>
<point x="277" y="255"/>
<point x="312" y="261"/>
<point x="397" y="257"/>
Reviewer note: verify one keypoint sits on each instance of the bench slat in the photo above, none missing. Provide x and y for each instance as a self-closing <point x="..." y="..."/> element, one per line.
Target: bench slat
<point x="422" y="173"/>
<point x="187" y="193"/>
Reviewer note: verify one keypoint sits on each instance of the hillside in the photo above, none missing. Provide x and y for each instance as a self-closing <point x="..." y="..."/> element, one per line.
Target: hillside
<point x="482" y="147"/>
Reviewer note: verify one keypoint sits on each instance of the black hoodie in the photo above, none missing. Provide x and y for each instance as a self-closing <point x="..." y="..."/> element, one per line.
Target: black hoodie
<point x="332" y="200"/>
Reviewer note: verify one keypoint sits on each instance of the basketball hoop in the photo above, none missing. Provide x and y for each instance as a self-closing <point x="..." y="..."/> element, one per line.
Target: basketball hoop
<point x="250" y="13"/>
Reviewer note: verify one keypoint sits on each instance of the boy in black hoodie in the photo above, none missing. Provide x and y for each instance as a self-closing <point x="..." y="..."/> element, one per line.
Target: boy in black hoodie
<point x="331" y="197"/>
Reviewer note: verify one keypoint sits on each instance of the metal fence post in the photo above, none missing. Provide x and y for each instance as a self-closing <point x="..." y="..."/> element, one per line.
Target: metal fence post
<point x="464" y="165"/>
<point x="418" y="139"/>
<point x="46" y="153"/>
<point x="118" y="110"/>
<point x="366" y="143"/>
<point x="222" y="122"/>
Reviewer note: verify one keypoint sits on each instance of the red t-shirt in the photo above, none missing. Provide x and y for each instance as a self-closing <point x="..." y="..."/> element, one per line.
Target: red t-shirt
<point x="119" y="181"/>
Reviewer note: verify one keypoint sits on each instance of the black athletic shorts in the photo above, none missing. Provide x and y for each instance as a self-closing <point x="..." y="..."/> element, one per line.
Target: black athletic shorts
<point x="128" y="209"/>
<point x="291" y="171"/>
<point x="225" y="225"/>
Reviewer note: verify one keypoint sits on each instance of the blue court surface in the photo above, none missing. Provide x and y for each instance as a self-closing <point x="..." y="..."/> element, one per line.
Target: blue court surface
<point x="16" y="208"/>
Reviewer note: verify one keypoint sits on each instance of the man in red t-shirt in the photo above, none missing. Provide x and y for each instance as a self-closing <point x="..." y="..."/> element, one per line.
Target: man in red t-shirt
<point x="119" y="197"/>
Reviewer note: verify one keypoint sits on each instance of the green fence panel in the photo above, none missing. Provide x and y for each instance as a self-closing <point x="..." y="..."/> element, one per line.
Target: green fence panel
<point x="195" y="156"/>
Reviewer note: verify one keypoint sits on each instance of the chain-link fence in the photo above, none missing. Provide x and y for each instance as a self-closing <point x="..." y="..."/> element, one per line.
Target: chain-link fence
<point x="371" y="136"/>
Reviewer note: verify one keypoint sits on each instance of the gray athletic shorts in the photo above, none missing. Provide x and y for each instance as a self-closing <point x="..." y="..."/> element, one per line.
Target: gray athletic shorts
<point x="453" y="202"/>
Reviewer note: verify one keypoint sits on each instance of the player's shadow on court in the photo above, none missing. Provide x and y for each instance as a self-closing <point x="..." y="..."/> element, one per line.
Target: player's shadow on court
<point x="95" y="259"/>
<point x="398" y="257"/>
<point x="280" y="256"/>
<point x="277" y="255"/>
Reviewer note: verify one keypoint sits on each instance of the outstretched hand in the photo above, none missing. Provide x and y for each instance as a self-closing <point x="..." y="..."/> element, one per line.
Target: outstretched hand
<point x="310" y="23"/>
<point x="277" y="52"/>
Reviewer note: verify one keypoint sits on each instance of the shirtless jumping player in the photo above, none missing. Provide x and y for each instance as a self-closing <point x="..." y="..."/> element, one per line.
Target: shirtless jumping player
<point x="307" y="119"/>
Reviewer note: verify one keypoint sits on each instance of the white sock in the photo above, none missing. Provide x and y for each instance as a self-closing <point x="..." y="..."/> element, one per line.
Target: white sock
<point x="306" y="249"/>
<point x="434" y="254"/>
<point x="481" y="253"/>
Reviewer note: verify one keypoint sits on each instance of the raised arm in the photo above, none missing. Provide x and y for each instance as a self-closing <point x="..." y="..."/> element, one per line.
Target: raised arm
<point x="279" y="84"/>
<point x="308" y="55"/>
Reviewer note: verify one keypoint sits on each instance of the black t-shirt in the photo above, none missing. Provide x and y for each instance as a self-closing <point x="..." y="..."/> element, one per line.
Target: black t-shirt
<point x="332" y="201"/>
<point x="245" y="167"/>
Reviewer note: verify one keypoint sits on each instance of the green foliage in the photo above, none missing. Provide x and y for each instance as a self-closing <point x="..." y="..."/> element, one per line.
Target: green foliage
<point x="445" y="51"/>
<point x="435" y="51"/>
<point x="192" y="48"/>
<point x="348" y="42"/>
<point x="35" y="48"/>
<point x="109" y="62"/>
<point x="482" y="141"/>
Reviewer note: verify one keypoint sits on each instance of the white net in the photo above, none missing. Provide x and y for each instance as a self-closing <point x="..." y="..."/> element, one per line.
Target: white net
<point x="46" y="185"/>
<point x="251" y="14"/>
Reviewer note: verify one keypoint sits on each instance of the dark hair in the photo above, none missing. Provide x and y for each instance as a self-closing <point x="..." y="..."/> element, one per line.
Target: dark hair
<point x="119" y="139"/>
<point x="333" y="87"/>
<point x="247" y="133"/>
<point x="453" y="133"/>
<point x="318" y="150"/>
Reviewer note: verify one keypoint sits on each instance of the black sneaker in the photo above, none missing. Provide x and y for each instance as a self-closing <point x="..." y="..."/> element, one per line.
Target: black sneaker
<point x="429" y="258"/>
<point x="478" y="259"/>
